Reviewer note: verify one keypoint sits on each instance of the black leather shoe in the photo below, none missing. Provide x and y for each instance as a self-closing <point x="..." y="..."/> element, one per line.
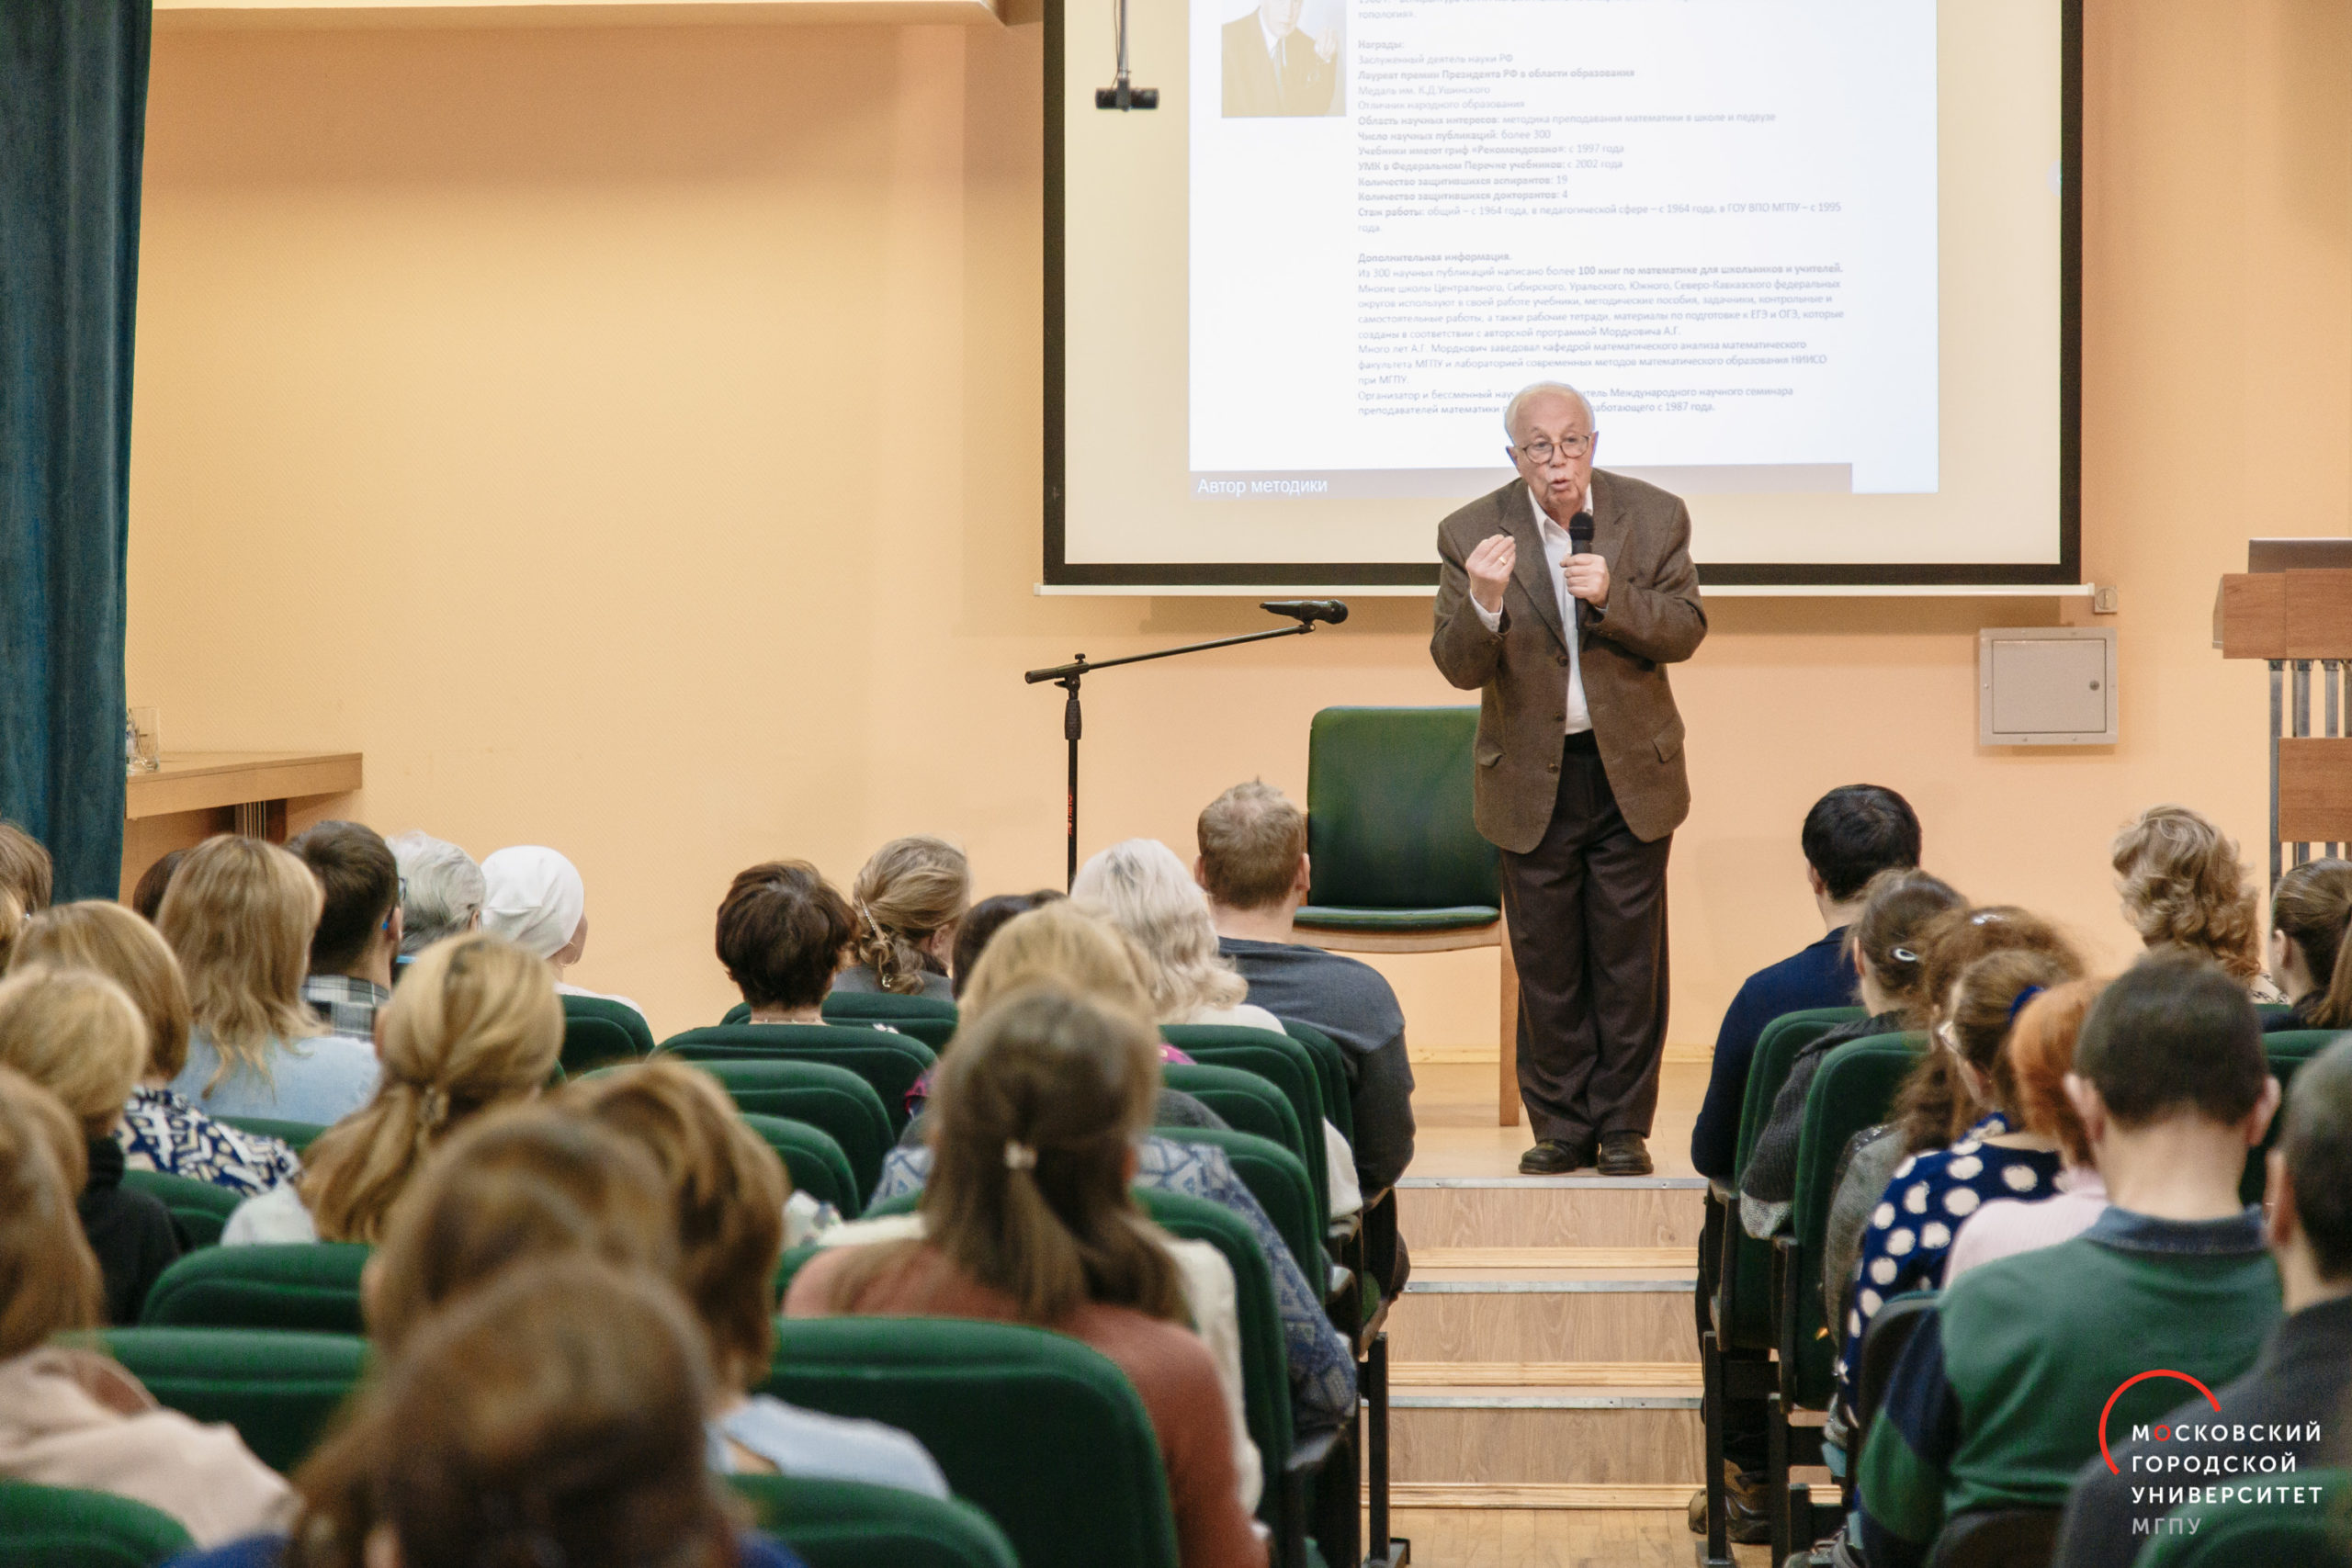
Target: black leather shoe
<point x="1624" y="1154"/>
<point x="1551" y="1157"/>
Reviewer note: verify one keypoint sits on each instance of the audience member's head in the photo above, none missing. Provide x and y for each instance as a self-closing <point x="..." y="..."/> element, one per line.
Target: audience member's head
<point x="110" y="939"/>
<point x="2310" y="1168"/>
<point x="783" y="933"/>
<point x="359" y="923"/>
<point x="514" y="1186"/>
<point x="908" y="898"/>
<point x="2173" y="1038"/>
<point x="147" y="898"/>
<point x="554" y="1416"/>
<point x="983" y="920"/>
<point x="2183" y="886"/>
<point x="475" y="1025"/>
<point x="1933" y="1106"/>
<point x="441" y="889"/>
<point x="24" y="868"/>
<point x="12" y="925"/>
<point x="2041" y="1053"/>
<point x="1063" y="945"/>
<point x="1253" y="848"/>
<point x="1853" y="833"/>
<point x="534" y="897"/>
<point x="48" y="1279"/>
<point x="238" y="915"/>
<point x="76" y="1034"/>
<point x="1972" y="1020"/>
<point x="729" y="1191"/>
<point x="1034" y="1123"/>
<point x="2308" y="913"/>
<point x="1141" y="888"/>
<point x="1887" y="939"/>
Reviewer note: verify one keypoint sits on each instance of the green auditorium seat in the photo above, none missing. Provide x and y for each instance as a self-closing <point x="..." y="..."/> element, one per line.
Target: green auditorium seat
<point x="2289" y="1049"/>
<point x="279" y="1388"/>
<point x="889" y="1062"/>
<point x="929" y="1018"/>
<point x="590" y="1042"/>
<point x="1280" y="1061"/>
<point x="311" y="1286"/>
<point x="820" y="1094"/>
<point x="1038" y="1430"/>
<point x="848" y="1524"/>
<point x="599" y="1045"/>
<point x="1279" y="1182"/>
<point x="199" y="1208"/>
<point x="52" y="1526"/>
<point x="2301" y="1524"/>
<point x="296" y="1135"/>
<point x="813" y="1160"/>
<point x="1330" y="1074"/>
<point x="1247" y="1102"/>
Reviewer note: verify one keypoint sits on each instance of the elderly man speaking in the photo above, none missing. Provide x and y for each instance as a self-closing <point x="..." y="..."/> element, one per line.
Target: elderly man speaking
<point x="1561" y="596"/>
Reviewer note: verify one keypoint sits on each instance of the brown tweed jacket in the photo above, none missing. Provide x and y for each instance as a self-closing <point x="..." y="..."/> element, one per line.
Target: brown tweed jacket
<point x="1653" y="618"/>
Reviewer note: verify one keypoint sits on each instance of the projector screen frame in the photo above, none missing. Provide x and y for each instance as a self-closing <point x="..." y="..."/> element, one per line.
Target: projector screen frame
<point x="1132" y="576"/>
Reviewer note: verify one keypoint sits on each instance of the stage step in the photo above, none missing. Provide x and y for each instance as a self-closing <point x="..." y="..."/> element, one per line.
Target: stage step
<point x="1542" y="1374"/>
<point x="1548" y="1211"/>
<point x="1564" y="1260"/>
<point x="1540" y="1494"/>
<point x="1590" y="1437"/>
<point x="1523" y="1320"/>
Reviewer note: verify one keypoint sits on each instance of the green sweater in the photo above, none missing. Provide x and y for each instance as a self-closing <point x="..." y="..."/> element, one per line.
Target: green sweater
<point x="1996" y="1403"/>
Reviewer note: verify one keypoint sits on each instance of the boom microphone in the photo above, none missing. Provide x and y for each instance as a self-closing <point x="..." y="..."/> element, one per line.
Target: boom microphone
<point x="1309" y="610"/>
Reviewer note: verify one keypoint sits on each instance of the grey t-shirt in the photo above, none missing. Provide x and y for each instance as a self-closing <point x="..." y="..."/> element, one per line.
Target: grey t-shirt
<point x="1351" y="1003"/>
<point x="860" y="977"/>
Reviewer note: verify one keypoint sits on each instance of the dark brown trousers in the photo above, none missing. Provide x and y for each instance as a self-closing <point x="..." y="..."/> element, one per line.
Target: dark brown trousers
<point x="1586" y="910"/>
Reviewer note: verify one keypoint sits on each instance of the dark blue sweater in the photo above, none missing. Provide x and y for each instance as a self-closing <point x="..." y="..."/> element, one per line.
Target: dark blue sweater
<point x="1818" y="976"/>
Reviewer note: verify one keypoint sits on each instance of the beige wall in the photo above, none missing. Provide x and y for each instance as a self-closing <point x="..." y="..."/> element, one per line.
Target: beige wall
<point x="629" y="440"/>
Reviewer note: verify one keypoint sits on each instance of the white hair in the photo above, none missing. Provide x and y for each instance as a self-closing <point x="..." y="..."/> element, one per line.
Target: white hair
<point x="1141" y="888"/>
<point x="1537" y="390"/>
<point x="443" y="889"/>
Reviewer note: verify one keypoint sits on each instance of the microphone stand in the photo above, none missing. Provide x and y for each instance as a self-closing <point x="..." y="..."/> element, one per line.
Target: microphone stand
<point x="1067" y="676"/>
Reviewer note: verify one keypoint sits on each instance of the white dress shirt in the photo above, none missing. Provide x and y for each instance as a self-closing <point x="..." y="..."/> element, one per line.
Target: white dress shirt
<point x="1557" y="548"/>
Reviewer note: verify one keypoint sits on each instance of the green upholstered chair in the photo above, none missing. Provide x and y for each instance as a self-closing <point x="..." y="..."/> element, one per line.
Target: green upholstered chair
<point x="1331" y="1072"/>
<point x="928" y="1019"/>
<point x="1398" y="865"/>
<point x="2305" y="1530"/>
<point x="199" y="1208"/>
<point x="1280" y="1060"/>
<point x="812" y="1158"/>
<point x="1247" y="1102"/>
<point x="309" y="1286"/>
<point x="2289" y="1049"/>
<point x="1278" y="1181"/>
<point x="296" y="1135"/>
<point x="279" y="1388"/>
<point x="52" y="1526"/>
<point x="1038" y="1430"/>
<point x="820" y="1094"/>
<point x="620" y="1015"/>
<point x="589" y="1042"/>
<point x="889" y="1061"/>
<point x="848" y="1524"/>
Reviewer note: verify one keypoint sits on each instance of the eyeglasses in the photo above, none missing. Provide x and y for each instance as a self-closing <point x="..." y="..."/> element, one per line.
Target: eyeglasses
<point x="1541" y="450"/>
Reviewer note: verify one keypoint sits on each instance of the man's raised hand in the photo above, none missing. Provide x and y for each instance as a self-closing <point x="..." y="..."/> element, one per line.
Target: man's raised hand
<point x="1490" y="567"/>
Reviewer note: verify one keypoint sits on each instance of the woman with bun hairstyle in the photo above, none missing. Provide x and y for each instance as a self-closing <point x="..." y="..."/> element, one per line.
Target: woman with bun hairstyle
<point x="910" y="897"/>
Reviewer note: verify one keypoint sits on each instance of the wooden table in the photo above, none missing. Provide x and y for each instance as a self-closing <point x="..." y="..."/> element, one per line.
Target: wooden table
<point x="198" y="794"/>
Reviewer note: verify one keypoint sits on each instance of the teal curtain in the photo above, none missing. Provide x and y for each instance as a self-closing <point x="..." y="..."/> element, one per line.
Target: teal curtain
<point x="72" y="118"/>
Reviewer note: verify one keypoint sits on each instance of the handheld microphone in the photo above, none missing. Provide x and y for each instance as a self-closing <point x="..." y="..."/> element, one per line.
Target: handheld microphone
<point x="1308" y="611"/>
<point x="1581" y="542"/>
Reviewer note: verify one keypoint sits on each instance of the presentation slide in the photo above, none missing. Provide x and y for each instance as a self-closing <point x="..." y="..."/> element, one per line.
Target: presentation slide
<point x="1805" y="257"/>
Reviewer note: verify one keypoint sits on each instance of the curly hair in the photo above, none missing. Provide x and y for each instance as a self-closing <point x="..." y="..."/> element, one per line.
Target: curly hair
<point x="2183" y="885"/>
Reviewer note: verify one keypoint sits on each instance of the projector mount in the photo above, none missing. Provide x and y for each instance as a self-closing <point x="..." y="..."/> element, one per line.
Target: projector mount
<point x="1123" y="95"/>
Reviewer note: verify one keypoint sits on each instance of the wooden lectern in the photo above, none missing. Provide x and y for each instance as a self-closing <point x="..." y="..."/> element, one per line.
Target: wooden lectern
<point x="2294" y="619"/>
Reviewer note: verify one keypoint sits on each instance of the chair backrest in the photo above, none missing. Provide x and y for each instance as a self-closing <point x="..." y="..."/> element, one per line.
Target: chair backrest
<point x="630" y="1021"/>
<point x="199" y="1208"/>
<point x="2288" y="1049"/>
<point x="1278" y="1181"/>
<point x="312" y="1286"/>
<point x="53" y="1527"/>
<point x="1997" y="1538"/>
<point x="1283" y="1061"/>
<point x="279" y="1388"/>
<point x="2300" y="1526"/>
<point x="1330" y="1075"/>
<point x="1388" y="822"/>
<point x="1040" y="1431"/>
<point x="812" y="1159"/>
<point x="296" y="1135"/>
<point x="850" y="1524"/>
<point x="1247" y="1102"/>
<point x="821" y="1094"/>
<point x="928" y="1019"/>
<point x="1897" y="1319"/>
<point x="1850" y="1091"/>
<point x="889" y="1061"/>
<point x="591" y="1042"/>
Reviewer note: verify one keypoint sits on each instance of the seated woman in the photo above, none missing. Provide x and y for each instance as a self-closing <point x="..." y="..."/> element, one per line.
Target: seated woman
<point x="441" y="890"/>
<point x="983" y="920"/>
<point x="162" y="1129"/>
<point x="1028" y="1219"/>
<point x="76" y="1034"/>
<point x="76" y="1417"/>
<point x="2310" y="912"/>
<point x="727" y="1192"/>
<point x="2184" y="887"/>
<point x="1909" y="1233"/>
<point x="1884" y="943"/>
<point x="552" y="1418"/>
<point x="909" y="898"/>
<point x="784" y="934"/>
<point x="147" y="898"/>
<point x="2041" y="1053"/>
<point x="474" y="1025"/>
<point x="534" y="897"/>
<point x="238" y="915"/>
